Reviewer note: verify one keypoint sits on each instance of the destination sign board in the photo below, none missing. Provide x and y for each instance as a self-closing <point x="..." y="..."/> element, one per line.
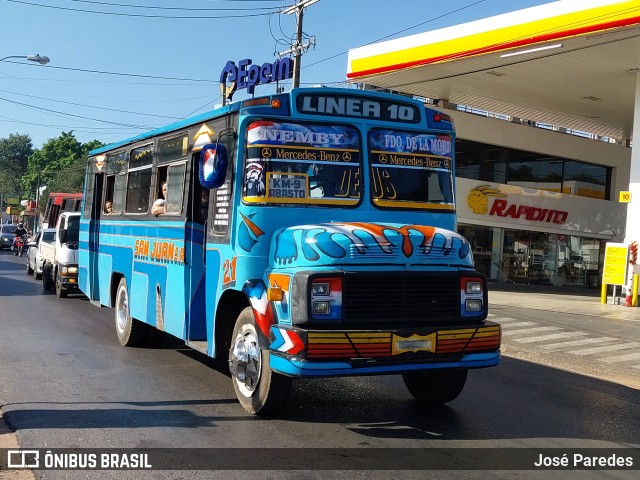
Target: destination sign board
<point x="357" y="106"/>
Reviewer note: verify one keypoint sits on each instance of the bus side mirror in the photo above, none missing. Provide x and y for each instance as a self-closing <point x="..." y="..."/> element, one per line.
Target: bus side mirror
<point x="63" y="235"/>
<point x="213" y="165"/>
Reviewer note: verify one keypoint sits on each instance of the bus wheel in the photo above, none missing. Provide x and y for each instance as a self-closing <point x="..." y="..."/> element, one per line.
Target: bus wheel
<point x="47" y="281"/>
<point x="259" y="390"/>
<point x="130" y="331"/>
<point x="435" y="387"/>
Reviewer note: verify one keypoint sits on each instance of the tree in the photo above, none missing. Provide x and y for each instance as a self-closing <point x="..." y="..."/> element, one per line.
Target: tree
<point x="14" y="154"/>
<point x="59" y="165"/>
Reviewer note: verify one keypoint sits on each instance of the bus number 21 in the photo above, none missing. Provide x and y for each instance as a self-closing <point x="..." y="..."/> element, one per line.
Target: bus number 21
<point x="229" y="269"/>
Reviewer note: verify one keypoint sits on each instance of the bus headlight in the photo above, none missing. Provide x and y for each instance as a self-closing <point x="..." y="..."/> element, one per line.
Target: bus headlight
<point x="473" y="305"/>
<point x="474" y="287"/>
<point x="320" y="289"/>
<point x="321" y="308"/>
<point x="326" y="298"/>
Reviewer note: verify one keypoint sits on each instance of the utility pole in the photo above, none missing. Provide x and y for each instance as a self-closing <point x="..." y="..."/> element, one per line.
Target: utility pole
<point x="36" y="227"/>
<point x="298" y="48"/>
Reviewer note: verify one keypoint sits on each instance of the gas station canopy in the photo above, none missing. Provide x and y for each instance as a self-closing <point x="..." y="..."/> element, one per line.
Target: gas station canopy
<point x="570" y="63"/>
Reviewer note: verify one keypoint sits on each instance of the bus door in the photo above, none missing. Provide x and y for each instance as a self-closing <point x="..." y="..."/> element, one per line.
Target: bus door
<point x="198" y="210"/>
<point x="93" y="277"/>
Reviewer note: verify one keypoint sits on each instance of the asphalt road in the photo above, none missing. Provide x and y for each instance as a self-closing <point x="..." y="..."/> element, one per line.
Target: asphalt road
<point x="65" y="382"/>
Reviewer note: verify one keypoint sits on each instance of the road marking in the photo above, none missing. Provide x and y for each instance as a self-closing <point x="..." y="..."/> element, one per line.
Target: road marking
<point x="553" y="336"/>
<point x="533" y="330"/>
<point x="621" y="358"/>
<point x="505" y="319"/>
<point x="520" y="324"/>
<point x="576" y="343"/>
<point x="608" y="348"/>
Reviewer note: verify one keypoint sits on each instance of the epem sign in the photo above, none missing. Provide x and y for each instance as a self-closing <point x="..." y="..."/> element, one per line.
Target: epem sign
<point x="246" y="75"/>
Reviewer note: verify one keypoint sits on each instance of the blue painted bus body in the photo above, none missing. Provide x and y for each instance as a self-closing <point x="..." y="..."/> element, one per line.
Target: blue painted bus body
<point x="182" y="278"/>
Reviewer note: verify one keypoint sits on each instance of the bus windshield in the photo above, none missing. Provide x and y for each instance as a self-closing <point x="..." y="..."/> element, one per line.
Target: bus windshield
<point x="411" y="170"/>
<point x="302" y="163"/>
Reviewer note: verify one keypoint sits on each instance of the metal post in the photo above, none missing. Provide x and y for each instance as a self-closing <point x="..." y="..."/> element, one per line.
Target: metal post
<point x="298" y="48"/>
<point x="36" y="227"/>
<point x="297" y="59"/>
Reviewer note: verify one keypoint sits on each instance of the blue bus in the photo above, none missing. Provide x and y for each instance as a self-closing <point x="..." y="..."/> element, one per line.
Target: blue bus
<point x="300" y="234"/>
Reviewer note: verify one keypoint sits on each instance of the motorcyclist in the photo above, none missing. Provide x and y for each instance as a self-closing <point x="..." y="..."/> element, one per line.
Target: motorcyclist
<point x="18" y="232"/>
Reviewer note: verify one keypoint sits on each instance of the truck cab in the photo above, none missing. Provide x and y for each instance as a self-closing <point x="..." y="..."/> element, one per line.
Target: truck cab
<point x="60" y="259"/>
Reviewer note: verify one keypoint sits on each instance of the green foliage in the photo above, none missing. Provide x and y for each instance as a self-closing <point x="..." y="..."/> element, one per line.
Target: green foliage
<point x="14" y="153"/>
<point x="69" y="180"/>
<point x="59" y="165"/>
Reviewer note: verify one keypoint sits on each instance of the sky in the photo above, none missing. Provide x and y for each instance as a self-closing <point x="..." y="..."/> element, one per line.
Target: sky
<point x="122" y="67"/>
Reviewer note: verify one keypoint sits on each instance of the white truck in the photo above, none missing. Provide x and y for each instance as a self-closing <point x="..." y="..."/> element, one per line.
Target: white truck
<point x="60" y="258"/>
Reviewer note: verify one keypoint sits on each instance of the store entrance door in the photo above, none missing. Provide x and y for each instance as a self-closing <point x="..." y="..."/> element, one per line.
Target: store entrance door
<point x="532" y="261"/>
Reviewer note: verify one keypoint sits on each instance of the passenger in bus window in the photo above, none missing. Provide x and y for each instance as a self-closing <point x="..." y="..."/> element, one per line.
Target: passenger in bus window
<point x="158" y="205"/>
<point x="108" y="206"/>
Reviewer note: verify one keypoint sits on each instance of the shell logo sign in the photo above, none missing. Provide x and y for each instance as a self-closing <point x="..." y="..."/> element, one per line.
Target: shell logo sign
<point x="478" y="200"/>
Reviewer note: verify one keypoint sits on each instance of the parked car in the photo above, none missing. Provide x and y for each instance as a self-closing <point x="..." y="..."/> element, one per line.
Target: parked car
<point x="6" y="236"/>
<point x="34" y="257"/>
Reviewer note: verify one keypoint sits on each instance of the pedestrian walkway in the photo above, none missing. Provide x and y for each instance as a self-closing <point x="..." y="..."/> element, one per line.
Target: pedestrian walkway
<point x="615" y="357"/>
<point x="580" y="301"/>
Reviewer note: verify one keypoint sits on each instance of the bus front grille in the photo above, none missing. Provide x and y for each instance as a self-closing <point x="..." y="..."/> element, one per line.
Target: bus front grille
<point x="403" y="297"/>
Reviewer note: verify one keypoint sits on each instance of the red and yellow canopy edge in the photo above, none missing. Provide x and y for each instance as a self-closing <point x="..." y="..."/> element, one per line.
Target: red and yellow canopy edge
<point x="554" y="28"/>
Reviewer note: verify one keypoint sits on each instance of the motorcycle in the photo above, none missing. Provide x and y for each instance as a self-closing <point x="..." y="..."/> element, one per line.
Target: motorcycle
<point x="19" y="245"/>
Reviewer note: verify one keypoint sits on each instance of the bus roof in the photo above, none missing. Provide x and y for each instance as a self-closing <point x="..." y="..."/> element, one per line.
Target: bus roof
<point x="169" y="128"/>
<point x="236" y="106"/>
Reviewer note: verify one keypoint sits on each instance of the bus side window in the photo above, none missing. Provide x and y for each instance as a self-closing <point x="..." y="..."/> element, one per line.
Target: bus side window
<point x="176" y="183"/>
<point x="159" y="203"/>
<point x="173" y="175"/>
<point x="114" y="193"/>
<point x="108" y="196"/>
<point x="139" y="179"/>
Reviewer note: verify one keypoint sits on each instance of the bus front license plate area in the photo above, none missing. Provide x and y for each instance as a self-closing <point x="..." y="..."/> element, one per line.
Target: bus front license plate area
<point x="414" y="343"/>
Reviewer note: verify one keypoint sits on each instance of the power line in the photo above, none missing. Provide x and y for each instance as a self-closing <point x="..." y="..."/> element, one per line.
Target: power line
<point x="186" y="9"/>
<point x="183" y="17"/>
<point x="89" y="106"/>
<point x="48" y="110"/>
<point x="400" y="31"/>
<point x="102" y="72"/>
<point x="92" y="130"/>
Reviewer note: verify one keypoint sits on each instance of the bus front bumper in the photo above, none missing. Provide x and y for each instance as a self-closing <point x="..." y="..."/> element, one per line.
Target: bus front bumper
<point x="316" y="353"/>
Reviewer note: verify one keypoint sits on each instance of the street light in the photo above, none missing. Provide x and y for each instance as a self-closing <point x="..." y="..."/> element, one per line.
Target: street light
<point x="32" y="58"/>
<point x="42" y="60"/>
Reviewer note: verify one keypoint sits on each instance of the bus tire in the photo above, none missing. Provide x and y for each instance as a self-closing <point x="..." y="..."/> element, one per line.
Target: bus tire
<point x="47" y="281"/>
<point x="130" y="331"/>
<point x="435" y="387"/>
<point x="260" y="390"/>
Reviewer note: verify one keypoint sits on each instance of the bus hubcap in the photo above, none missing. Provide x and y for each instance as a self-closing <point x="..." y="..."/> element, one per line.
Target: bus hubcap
<point x="122" y="313"/>
<point x="244" y="361"/>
